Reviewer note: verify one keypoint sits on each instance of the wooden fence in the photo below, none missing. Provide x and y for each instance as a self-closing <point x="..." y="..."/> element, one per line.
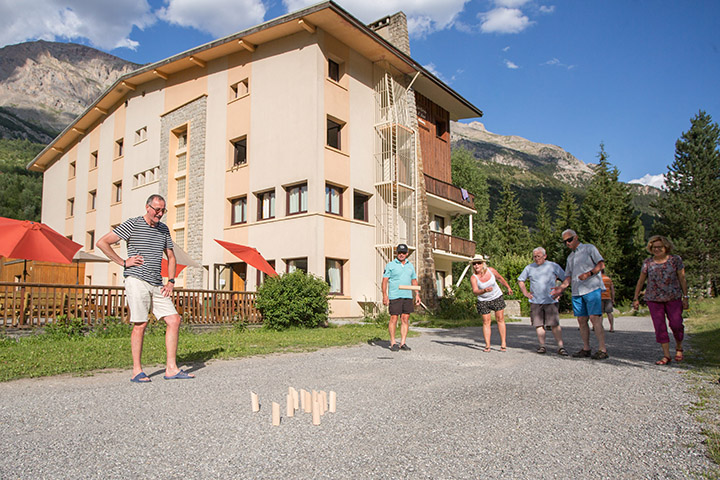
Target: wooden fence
<point x="27" y="305"/>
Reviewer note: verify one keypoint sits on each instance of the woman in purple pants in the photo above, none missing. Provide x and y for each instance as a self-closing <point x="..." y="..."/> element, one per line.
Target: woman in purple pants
<point x="666" y="294"/>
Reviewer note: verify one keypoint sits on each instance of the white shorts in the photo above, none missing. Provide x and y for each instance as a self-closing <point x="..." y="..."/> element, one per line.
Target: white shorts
<point x="143" y="297"/>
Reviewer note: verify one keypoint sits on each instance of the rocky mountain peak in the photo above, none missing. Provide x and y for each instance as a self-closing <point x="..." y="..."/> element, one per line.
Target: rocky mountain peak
<point x="49" y="83"/>
<point x="519" y="152"/>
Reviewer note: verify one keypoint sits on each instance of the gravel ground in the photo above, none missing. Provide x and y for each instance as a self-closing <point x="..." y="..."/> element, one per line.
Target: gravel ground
<point x="445" y="410"/>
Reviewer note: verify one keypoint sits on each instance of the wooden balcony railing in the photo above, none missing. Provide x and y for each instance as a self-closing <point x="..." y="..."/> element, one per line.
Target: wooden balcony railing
<point x="450" y="244"/>
<point x="449" y="192"/>
<point x="26" y="305"/>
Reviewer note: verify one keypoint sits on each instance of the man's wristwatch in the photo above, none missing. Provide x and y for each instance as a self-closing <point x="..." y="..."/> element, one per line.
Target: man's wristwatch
<point x="171" y="280"/>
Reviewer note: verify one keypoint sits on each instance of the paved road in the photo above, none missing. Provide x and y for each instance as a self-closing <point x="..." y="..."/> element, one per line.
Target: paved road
<point x="445" y="410"/>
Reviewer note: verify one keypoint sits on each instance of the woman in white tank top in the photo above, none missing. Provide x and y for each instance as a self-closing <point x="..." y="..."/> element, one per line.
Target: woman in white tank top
<point x="489" y="298"/>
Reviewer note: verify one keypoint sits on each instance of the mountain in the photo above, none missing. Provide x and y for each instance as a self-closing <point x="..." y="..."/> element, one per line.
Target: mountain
<point x="534" y="169"/>
<point x="520" y="153"/>
<point x="45" y="85"/>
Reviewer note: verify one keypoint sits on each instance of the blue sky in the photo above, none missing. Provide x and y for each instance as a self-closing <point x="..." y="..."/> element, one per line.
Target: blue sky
<point x="629" y="73"/>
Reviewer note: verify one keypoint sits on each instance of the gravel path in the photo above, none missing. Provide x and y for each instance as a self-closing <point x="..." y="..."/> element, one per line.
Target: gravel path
<point x="445" y="410"/>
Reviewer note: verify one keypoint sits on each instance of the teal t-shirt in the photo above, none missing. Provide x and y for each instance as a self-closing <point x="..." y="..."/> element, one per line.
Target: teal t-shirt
<point x="399" y="274"/>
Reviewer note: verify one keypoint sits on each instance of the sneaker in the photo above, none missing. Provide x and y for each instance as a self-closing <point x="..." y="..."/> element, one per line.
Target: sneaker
<point x="405" y="348"/>
<point x="394" y="347"/>
<point x="600" y="355"/>
<point x="582" y="354"/>
<point x="562" y="352"/>
<point x="541" y="349"/>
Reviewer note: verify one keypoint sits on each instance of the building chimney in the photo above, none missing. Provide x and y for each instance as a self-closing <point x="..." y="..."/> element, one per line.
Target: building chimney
<point x="393" y="28"/>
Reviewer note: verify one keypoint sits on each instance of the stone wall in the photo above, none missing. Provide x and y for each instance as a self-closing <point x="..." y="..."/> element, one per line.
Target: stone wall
<point x="194" y="115"/>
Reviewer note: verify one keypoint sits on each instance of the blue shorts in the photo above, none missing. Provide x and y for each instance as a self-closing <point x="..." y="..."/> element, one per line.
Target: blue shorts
<point x="588" y="304"/>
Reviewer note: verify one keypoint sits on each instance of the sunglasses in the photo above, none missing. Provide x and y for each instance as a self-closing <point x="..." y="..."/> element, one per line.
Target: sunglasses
<point x="569" y="240"/>
<point x="158" y="210"/>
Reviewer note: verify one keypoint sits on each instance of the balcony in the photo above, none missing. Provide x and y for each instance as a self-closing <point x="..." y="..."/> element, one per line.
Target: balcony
<point x="454" y="246"/>
<point x="451" y="193"/>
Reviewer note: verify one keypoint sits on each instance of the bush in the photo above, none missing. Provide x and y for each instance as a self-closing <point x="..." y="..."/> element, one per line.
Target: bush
<point x="457" y="303"/>
<point x="112" y="327"/>
<point x="295" y="299"/>
<point x="65" y="327"/>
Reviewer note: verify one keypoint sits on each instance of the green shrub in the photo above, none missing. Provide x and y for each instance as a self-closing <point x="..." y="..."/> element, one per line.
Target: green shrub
<point x="457" y="303"/>
<point x="112" y="327"/>
<point x="65" y="327"/>
<point x="295" y="299"/>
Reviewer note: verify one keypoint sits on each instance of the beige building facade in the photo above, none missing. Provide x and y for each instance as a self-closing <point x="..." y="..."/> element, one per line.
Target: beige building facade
<point x="312" y="137"/>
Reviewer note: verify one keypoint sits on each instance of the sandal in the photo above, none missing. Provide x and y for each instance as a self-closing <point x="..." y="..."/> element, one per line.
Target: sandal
<point x="486" y="349"/>
<point x="503" y="349"/>
<point x="664" y="361"/>
<point x="541" y="349"/>
<point x="679" y="355"/>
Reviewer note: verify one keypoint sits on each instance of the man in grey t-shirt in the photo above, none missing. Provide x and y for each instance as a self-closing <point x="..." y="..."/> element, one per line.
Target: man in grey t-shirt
<point x="583" y="269"/>
<point x="544" y="312"/>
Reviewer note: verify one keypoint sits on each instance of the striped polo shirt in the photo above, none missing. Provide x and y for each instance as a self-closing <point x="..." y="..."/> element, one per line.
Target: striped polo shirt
<point x="150" y="243"/>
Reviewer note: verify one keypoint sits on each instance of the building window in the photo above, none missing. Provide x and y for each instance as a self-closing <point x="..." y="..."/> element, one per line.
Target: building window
<point x="240" y="152"/>
<point x="438" y="224"/>
<point x="333" y="70"/>
<point x="361" y="202"/>
<point x="297" y="198"/>
<point x="180" y="237"/>
<point x="71" y="173"/>
<point x="333" y="199"/>
<point x="70" y="207"/>
<point x="266" y="205"/>
<point x="181" y="162"/>
<point x="239" y="210"/>
<point x="90" y="240"/>
<point x="293" y="264"/>
<point x="262" y="275"/>
<point x="440" y="127"/>
<point x="119" y="151"/>
<point x="181" y="183"/>
<point x="117" y="192"/>
<point x="333" y="134"/>
<point x="141" y="135"/>
<point x="180" y="214"/>
<point x="92" y="197"/>
<point x="333" y="275"/>
<point x="182" y="140"/>
<point x="239" y="89"/>
<point x="440" y="282"/>
<point x="93" y="160"/>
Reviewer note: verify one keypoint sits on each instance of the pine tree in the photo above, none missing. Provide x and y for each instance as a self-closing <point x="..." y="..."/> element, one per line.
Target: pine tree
<point x="566" y="216"/>
<point x="544" y="235"/>
<point x="507" y="220"/>
<point x="608" y="221"/>
<point x="689" y="212"/>
<point x="465" y="174"/>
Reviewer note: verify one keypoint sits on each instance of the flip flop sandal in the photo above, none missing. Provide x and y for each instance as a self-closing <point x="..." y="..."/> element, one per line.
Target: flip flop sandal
<point x="679" y="355"/>
<point x="664" y="361"/>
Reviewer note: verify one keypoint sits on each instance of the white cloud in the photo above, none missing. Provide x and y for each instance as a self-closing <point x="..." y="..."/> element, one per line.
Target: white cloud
<point x="511" y="3"/>
<point x="424" y="16"/>
<point x="103" y="24"/>
<point x="506" y="49"/>
<point x="557" y="63"/>
<point x="657" y="181"/>
<point x="504" y="20"/>
<point x="511" y="65"/>
<point x="216" y="17"/>
<point x="547" y="9"/>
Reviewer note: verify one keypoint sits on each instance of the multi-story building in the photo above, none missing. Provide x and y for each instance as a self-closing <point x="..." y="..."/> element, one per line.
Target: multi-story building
<point x="314" y="138"/>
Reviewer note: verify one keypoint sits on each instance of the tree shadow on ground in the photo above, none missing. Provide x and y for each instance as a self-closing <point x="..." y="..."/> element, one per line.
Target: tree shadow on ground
<point x="625" y="347"/>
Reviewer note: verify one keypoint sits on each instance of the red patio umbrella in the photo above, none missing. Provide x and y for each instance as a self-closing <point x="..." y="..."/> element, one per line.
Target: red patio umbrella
<point x="28" y="240"/>
<point x="182" y="260"/>
<point x="249" y="255"/>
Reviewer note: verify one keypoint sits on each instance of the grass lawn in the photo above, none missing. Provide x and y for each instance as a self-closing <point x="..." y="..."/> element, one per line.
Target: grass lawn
<point x="704" y="355"/>
<point x="44" y="355"/>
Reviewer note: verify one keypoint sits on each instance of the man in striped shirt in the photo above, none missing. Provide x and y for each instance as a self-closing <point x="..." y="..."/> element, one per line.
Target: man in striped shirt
<point x="147" y="239"/>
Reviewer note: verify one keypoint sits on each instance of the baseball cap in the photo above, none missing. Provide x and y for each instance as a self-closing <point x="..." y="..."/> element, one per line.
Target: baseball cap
<point x="402" y="248"/>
